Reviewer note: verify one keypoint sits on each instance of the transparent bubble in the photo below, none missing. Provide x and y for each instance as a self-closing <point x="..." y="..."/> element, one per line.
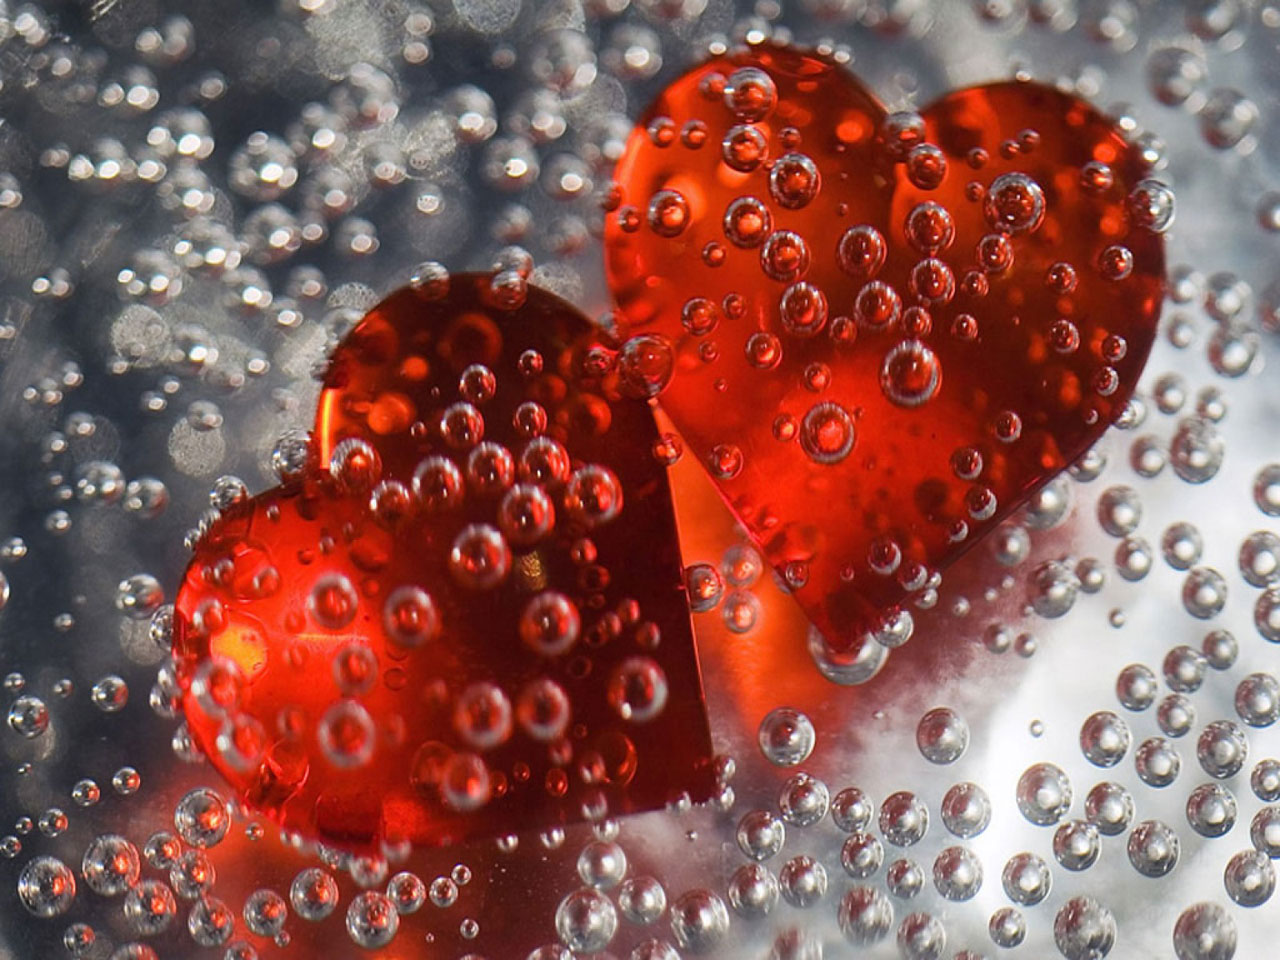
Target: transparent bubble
<point x="1257" y="699"/>
<point x="479" y="558"/>
<point x="1136" y="687"/>
<point x="794" y="181"/>
<point x="877" y="305"/>
<point x="1211" y="810"/>
<point x="443" y="892"/>
<point x="753" y="890"/>
<point x="1264" y="831"/>
<point x="1227" y="117"/>
<point x="86" y="793"/>
<point x="1026" y="879"/>
<point x="1249" y="878"/>
<point x="1147" y="457"/>
<point x="1222" y="749"/>
<point x="747" y="222"/>
<point x="861" y="855"/>
<point x="957" y="874"/>
<point x="28" y="716"/>
<point x="1153" y="848"/>
<point x="201" y="818"/>
<point x="1151" y="206"/>
<point x="786" y="736"/>
<point x="865" y="916"/>
<point x="1084" y="929"/>
<point x="1044" y="794"/>
<point x="110" y="865"/>
<point x="1014" y="203"/>
<point x="966" y="810"/>
<point x="482" y="716"/>
<point x="150" y="907"/>
<point x="1266" y="615"/>
<point x="654" y="949"/>
<point x="827" y="433"/>
<point x="1196" y="450"/>
<point x="637" y="689"/>
<point x="642" y="900"/>
<point x="784" y="256"/>
<point x="942" y="736"/>
<point x="210" y="922"/>
<point x="602" y="865"/>
<point x="586" y="921"/>
<point x="803" y="800"/>
<point x="1119" y="510"/>
<point x="46" y="887"/>
<point x="852" y="810"/>
<point x="1204" y="931"/>
<point x="1133" y="558"/>
<point x="192" y="874"/>
<point x="760" y="835"/>
<point x="1220" y="649"/>
<point x="861" y="252"/>
<point x="1265" y="780"/>
<point x="79" y="939"/>
<point x="921" y="937"/>
<point x="742" y="610"/>
<point x="1053" y="588"/>
<point x="750" y="94"/>
<point x="1007" y="927"/>
<point x="1204" y="593"/>
<point x="904" y="879"/>
<point x="313" y="894"/>
<point x="409" y="617"/>
<point x="1157" y="762"/>
<point x="438" y="484"/>
<point x="593" y="495"/>
<point x="802" y="881"/>
<point x="699" y="920"/>
<point x="550" y="624"/>
<point x="904" y="818"/>
<point x="265" y="912"/>
<point x="1259" y="559"/>
<point x="1076" y="845"/>
<point x="134" y="951"/>
<point x="705" y="586"/>
<point x="372" y="920"/>
<point x="1104" y="739"/>
<point x="543" y="709"/>
<point x="139" y="596"/>
<point x="110" y="694"/>
<point x="1176" y="715"/>
<point x="646" y="364"/>
<point x="910" y="375"/>
<point x="1184" y="668"/>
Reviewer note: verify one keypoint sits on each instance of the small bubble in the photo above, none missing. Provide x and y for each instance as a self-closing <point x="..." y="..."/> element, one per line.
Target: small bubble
<point x="827" y="433"/>
<point x="1153" y="848"/>
<point x="786" y="737"/>
<point x="942" y="736"/>
<point x="1014" y="203"/>
<point x="1044" y="794"/>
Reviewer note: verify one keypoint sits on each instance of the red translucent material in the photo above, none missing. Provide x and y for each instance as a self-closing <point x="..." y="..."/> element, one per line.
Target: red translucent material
<point x="891" y="330"/>
<point x="548" y="676"/>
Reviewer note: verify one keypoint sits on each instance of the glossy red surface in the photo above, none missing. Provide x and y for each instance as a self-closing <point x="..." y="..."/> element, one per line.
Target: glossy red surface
<point x="888" y="329"/>
<point x="497" y="643"/>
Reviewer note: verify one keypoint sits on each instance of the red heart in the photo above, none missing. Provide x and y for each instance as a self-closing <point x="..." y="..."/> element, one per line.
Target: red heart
<point x="474" y="622"/>
<point x="869" y="379"/>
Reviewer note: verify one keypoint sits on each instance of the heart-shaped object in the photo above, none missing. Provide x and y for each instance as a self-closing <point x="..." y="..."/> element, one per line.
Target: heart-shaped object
<point x="473" y="621"/>
<point x="887" y="330"/>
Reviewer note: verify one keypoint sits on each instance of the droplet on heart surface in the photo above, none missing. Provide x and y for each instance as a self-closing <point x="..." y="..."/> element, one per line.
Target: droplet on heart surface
<point x="983" y="275"/>
<point x="457" y="652"/>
